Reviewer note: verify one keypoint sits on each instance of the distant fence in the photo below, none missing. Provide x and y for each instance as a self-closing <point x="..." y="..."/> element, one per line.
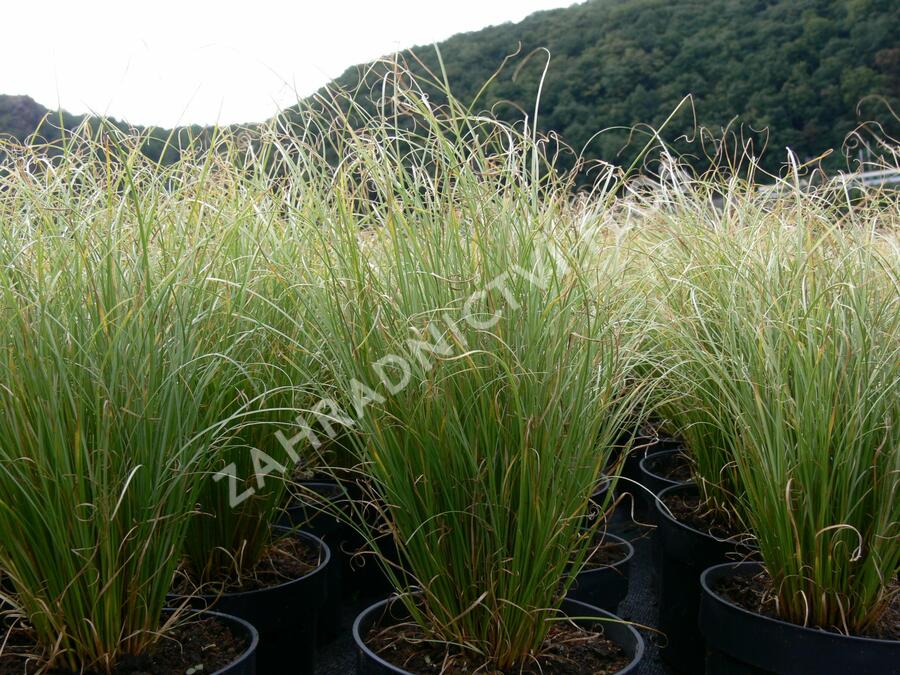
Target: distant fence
<point x="882" y="177"/>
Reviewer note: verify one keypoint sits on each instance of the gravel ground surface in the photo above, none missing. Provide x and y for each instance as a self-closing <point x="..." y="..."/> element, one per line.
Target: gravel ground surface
<point x="338" y="657"/>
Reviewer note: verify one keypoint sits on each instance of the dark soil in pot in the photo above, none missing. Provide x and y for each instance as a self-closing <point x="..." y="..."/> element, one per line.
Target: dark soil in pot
<point x="603" y="581"/>
<point x="209" y="642"/>
<point x="745" y="636"/>
<point x="682" y="553"/>
<point x="756" y="593"/>
<point x="389" y="643"/>
<point x="281" y="600"/>
<point x="686" y="506"/>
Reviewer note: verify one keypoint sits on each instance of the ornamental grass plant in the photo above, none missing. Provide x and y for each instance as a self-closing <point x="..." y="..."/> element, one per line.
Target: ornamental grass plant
<point x="254" y="309"/>
<point x="107" y="410"/>
<point x="486" y="349"/>
<point x="687" y="219"/>
<point x="792" y="325"/>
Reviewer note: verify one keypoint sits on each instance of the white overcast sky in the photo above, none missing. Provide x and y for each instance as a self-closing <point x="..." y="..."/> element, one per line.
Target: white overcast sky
<point x="165" y="63"/>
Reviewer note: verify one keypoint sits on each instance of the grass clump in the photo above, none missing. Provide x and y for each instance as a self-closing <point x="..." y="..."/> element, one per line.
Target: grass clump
<point x="104" y="419"/>
<point x="254" y="311"/>
<point x="820" y="447"/>
<point x="791" y="328"/>
<point x="488" y="352"/>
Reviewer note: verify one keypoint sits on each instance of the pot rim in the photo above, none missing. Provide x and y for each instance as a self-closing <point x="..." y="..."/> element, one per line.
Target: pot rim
<point x="246" y="625"/>
<point x="664" y="512"/>
<point x="329" y="485"/>
<point x="648" y="441"/>
<point x="618" y="540"/>
<point x="320" y="569"/>
<point x="657" y="453"/>
<point x="331" y="492"/>
<point x="709" y="593"/>
<point x="387" y="602"/>
<point x="602" y="485"/>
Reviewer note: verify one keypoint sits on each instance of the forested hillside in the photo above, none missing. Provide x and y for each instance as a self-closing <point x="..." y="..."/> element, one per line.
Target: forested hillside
<point x="798" y="68"/>
<point x="24" y="119"/>
<point x="804" y="70"/>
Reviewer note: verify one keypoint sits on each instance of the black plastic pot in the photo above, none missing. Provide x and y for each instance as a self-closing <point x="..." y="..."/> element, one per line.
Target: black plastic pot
<point x="600" y="494"/>
<point x="361" y="573"/>
<point x="641" y="442"/>
<point x="330" y="528"/>
<point x="741" y="642"/>
<point x="630" y="482"/>
<point x="369" y="663"/>
<point x="683" y="554"/>
<point x="644" y="446"/>
<point x="634" y="500"/>
<point x="652" y="480"/>
<point x="656" y="443"/>
<point x="604" y="587"/>
<point x="6" y="587"/>
<point x="245" y="664"/>
<point x="363" y="576"/>
<point x="652" y="484"/>
<point x="285" y="615"/>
